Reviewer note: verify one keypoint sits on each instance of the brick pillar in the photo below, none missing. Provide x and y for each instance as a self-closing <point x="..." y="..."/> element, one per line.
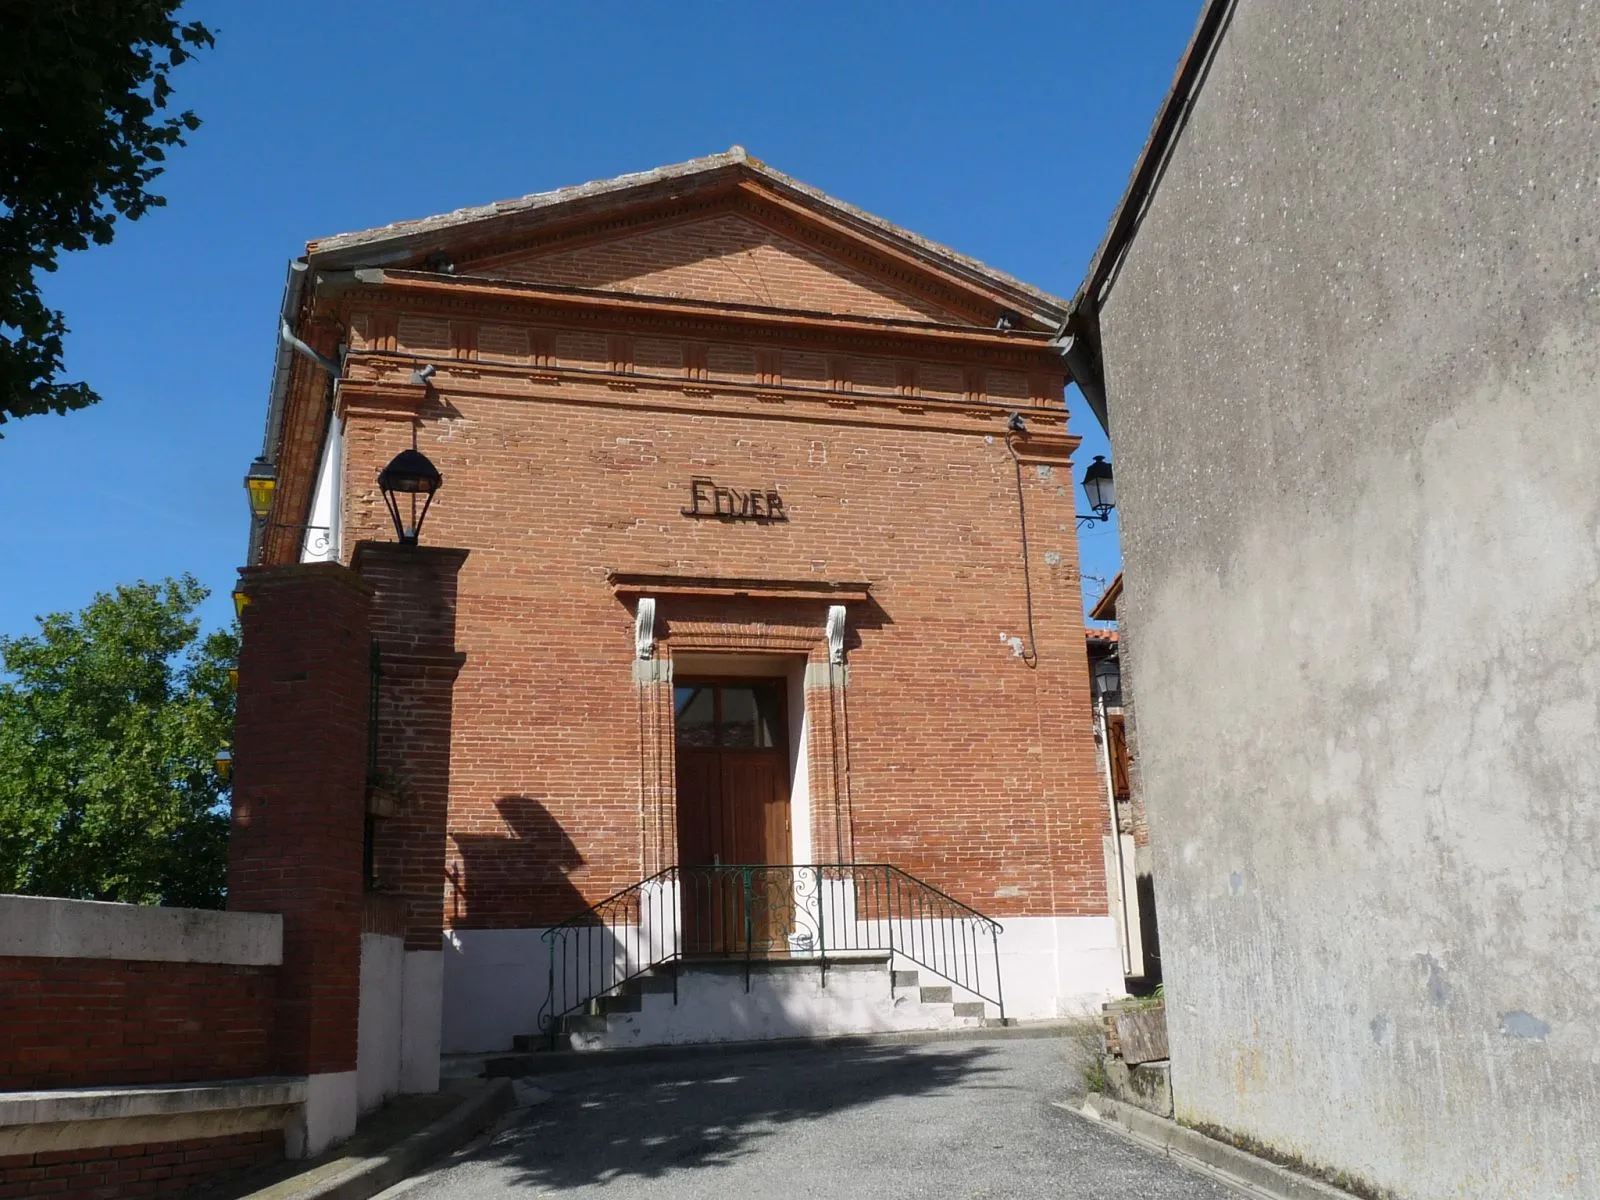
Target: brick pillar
<point x="300" y="745"/>
<point x="414" y="622"/>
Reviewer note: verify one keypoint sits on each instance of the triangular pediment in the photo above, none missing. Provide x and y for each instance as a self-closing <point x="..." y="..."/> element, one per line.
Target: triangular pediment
<point x="724" y="229"/>
<point x="728" y="256"/>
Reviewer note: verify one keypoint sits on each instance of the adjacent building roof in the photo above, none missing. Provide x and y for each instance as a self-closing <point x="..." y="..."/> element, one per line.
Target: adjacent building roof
<point x="1083" y="319"/>
<point x="1105" y="608"/>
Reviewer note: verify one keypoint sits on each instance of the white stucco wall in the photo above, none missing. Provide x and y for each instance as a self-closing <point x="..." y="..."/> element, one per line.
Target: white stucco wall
<point x="378" y="1022"/>
<point x="1353" y="370"/>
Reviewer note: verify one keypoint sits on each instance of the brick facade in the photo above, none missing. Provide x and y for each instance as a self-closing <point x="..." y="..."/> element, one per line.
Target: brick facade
<point x="587" y="370"/>
<point x="75" y="1022"/>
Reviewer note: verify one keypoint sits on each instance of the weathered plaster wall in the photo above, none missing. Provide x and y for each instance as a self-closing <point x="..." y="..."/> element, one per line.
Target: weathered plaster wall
<point x="1353" y="364"/>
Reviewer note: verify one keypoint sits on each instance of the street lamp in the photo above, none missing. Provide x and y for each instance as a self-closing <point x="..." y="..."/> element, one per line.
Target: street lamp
<point x="223" y="762"/>
<point x="1100" y="487"/>
<point x="260" y="482"/>
<point x="409" y="474"/>
<point x="1108" y="676"/>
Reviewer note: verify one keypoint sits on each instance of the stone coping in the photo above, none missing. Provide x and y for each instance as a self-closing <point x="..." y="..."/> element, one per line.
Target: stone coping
<point x="47" y="927"/>
<point x="149" y="1100"/>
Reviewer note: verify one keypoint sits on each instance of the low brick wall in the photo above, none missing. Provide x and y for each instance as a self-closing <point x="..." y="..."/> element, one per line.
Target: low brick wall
<point x="82" y="1022"/>
<point x="115" y="997"/>
<point x="152" y="1169"/>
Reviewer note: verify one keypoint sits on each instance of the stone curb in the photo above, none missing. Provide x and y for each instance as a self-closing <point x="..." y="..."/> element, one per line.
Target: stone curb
<point x="364" y="1177"/>
<point x="1245" y="1172"/>
<point x="540" y="1062"/>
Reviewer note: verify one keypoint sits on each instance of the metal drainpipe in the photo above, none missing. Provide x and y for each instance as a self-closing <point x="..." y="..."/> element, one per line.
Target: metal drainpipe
<point x="288" y="345"/>
<point x="1116" y="833"/>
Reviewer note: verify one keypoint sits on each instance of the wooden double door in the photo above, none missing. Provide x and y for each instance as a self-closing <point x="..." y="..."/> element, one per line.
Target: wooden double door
<point x="733" y="811"/>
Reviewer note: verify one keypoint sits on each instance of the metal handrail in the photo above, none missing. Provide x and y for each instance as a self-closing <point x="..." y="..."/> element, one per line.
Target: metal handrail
<point x="753" y="912"/>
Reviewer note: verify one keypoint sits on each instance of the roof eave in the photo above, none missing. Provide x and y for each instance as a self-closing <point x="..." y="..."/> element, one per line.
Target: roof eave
<point x="1082" y="319"/>
<point x="402" y="241"/>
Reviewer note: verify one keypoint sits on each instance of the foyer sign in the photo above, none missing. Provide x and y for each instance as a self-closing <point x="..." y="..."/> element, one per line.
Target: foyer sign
<point x="710" y="502"/>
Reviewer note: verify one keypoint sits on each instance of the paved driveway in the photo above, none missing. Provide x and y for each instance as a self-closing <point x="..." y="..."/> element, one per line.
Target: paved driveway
<point x="951" y="1120"/>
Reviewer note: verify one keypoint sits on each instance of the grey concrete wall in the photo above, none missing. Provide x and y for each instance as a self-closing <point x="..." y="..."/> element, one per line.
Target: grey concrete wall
<point x="47" y="927"/>
<point x="1352" y="365"/>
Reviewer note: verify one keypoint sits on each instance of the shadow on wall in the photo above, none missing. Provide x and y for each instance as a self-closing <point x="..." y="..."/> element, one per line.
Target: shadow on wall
<point x="652" y="1121"/>
<point x="515" y="879"/>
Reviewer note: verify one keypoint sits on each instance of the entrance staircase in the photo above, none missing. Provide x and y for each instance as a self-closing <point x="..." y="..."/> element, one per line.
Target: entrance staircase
<point x="747" y="953"/>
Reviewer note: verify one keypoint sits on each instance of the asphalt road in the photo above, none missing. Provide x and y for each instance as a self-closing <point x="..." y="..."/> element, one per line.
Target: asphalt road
<point x="952" y="1120"/>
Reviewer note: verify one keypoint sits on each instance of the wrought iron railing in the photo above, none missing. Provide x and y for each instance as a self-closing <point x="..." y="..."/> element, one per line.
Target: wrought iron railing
<point x="817" y="912"/>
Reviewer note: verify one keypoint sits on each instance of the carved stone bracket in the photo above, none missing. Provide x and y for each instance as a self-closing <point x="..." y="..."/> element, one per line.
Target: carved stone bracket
<point x="644" y="628"/>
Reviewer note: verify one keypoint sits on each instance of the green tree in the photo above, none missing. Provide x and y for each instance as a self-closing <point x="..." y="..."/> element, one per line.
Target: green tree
<point x="110" y="720"/>
<point x="83" y="86"/>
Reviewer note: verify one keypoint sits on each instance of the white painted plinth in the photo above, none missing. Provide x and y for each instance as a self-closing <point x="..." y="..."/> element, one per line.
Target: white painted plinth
<point x="378" y="1025"/>
<point x="328" y="1115"/>
<point x="421" y="1014"/>
<point x="495" y="983"/>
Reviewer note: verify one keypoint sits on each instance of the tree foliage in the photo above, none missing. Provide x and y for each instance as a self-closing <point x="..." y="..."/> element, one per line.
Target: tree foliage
<point x="83" y="86"/>
<point x="110" y="720"/>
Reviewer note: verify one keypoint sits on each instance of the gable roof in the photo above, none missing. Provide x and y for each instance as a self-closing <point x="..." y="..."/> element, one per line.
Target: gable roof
<point x="409" y="242"/>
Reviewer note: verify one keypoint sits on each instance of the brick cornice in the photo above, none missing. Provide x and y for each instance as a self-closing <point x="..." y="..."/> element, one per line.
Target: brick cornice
<point x="393" y="554"/>
<point x="255" y="580"/>
<point x="382" y="399"/>
<point x="629" y="583"/>
<point x="711" y="397"/>
<point x="633" y="312"/>
<point x="1045" y="449"/>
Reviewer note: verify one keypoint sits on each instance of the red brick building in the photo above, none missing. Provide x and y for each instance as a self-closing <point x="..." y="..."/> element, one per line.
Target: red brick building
<point x="742" y="555"/>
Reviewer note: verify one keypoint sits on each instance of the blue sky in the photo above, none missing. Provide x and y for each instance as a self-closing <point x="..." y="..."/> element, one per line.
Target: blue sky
<point x="1005" y="131"/>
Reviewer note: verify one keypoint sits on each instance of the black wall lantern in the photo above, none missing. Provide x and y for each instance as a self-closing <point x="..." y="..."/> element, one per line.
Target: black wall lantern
<point x="1108" y="677"/>
<point x="411" y="475"/>
<point x="1101" y="489"/>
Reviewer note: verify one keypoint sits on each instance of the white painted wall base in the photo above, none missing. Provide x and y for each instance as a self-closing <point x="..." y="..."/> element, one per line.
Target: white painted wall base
<point x="1059" y="966"/>
<point x="495" y="980"/>
<point x="327" y="1116"/>
<point x="784" y="1000"/>
<point x="378" y="1022"/>
<point x="421" y="1011"/>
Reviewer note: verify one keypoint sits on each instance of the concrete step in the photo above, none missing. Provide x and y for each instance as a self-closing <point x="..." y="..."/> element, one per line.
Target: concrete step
<point x="646" y="985"/>
<point x="583" y="1024"/>
<point x="905" y="979"/>
<point x="626" y="1002"/>
<point x="936" y="995"/>
<point x="973" y="1008"/>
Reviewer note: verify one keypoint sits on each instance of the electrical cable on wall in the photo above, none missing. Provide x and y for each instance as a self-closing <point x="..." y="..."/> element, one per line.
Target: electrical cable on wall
<point x="1031" y="655"/>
